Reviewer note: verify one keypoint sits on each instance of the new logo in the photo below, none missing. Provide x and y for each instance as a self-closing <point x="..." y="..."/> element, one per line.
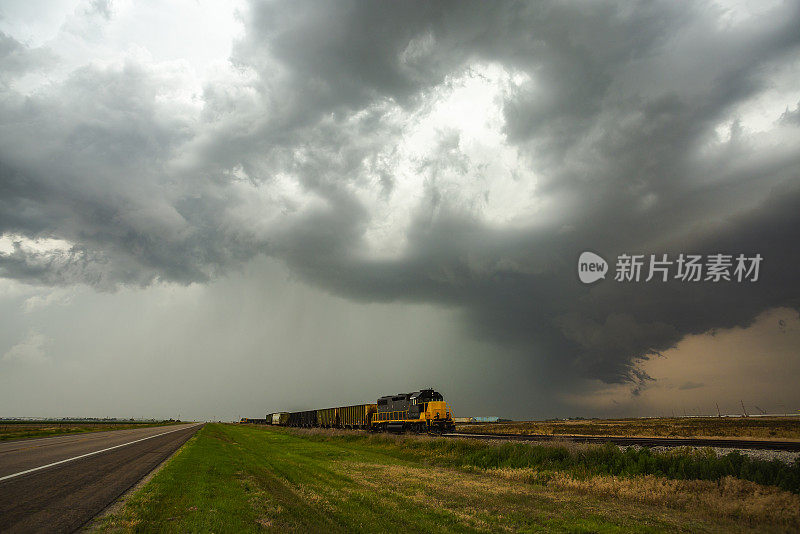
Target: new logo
<point x="591" y="267"/>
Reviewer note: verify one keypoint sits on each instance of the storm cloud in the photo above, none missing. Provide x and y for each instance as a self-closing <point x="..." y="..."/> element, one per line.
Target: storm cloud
<point x="462" y="154"/>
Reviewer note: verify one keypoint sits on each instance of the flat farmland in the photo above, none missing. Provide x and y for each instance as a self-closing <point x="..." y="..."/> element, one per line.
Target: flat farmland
<point x="232" y="478"/>
<point x="785" y="428"/>
<point x="12" y="430"/>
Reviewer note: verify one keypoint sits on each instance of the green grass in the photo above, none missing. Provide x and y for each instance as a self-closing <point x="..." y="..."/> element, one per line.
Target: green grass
<point x="679" y="463"/>
<point x="231" y="478"/>
<point x="28" y="430"/>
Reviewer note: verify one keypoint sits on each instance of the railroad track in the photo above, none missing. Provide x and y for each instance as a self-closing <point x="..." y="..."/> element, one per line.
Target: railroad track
<point x="793" y="446"/>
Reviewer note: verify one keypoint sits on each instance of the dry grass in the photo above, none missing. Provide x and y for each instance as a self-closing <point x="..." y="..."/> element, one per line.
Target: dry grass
<point x="726" y="427"/>
<point x="729" y="498"/>
<point x="467" y="495"/>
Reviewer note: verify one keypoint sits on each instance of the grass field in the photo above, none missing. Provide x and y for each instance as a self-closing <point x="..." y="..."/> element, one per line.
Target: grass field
<point x="726" y="427"/>
<point x="11" y="430"/>
<point x="231" y="478"/>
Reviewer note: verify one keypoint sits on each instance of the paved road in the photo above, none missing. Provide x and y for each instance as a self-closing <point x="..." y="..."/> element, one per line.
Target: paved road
<point x="64" y="496"/>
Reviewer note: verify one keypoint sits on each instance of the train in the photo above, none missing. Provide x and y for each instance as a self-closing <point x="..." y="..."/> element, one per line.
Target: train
<point x="423" y="411"/>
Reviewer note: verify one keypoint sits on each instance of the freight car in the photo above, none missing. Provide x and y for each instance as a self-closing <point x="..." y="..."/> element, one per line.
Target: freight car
<point x="306" y="419"/>
<point x="355" y="416"/>
<point x="278" y="418"/>
<point x="420" y="411"/>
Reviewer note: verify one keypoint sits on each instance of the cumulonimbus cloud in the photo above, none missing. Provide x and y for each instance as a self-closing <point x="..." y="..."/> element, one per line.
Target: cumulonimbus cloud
<point x="461" y="153"/>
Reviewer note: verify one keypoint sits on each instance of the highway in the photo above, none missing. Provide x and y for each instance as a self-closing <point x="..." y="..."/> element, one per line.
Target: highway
<point x="58" y="484"/>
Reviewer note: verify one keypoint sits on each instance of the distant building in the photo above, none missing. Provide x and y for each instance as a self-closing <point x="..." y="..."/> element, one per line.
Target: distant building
<point x="463" y="419"/>
<point x="490" y="419"/>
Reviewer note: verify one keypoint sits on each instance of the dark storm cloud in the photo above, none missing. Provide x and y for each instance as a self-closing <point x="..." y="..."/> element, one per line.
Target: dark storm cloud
<point x="619" y="120"/>
<point x="84" y="161"/>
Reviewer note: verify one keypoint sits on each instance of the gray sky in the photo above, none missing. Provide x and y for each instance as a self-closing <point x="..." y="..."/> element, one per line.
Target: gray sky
<point x="229" y="208"/>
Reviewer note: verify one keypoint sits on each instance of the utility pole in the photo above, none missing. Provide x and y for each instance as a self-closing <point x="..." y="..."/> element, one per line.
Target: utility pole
<point x="744" y="410"/>
<point x="718" y="414"/>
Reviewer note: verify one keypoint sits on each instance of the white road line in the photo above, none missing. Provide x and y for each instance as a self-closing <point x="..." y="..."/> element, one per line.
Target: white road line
<point x="87" y="454"/>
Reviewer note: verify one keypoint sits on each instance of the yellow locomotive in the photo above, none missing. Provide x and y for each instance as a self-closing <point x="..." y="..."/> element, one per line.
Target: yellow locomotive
<point x="420" y="411"/>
